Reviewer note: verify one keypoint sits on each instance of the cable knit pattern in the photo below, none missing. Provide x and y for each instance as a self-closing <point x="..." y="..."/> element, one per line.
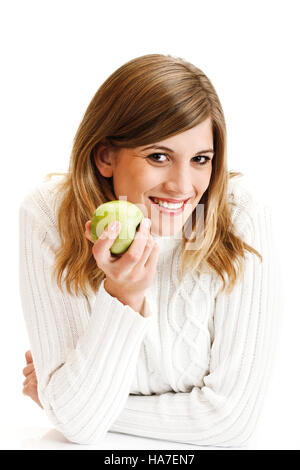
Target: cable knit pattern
<point x="194" y="369"/>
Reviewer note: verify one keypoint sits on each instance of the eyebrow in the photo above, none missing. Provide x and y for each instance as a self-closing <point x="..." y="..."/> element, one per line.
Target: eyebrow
<point x="170" y="150"/>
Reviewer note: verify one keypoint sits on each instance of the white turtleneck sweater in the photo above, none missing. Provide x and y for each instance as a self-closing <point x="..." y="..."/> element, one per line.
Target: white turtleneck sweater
<point x="194" y="369"/>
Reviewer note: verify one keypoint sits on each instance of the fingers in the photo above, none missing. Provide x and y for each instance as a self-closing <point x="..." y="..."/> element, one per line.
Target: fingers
<point x="28" y="357"/>
<point x="30" y="383"/>
<point x="28" y="369"/>
<point x="135" y="253"/>
<point x="88" y="231"/>
<point x="131" y="265"/>
<point x="30" y="390"/>
<point x="148" y="249"/>
<point x="30" y="378"/>
<point x="103" y="244"/>
<point x="88" y="235"/>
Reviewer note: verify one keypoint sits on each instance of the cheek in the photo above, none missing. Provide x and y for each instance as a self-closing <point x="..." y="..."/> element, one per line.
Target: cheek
<point x="206" y="177"/>
<point x="143" y="179"/>
<point x="131" y="182"/>
<point x="202" y="181"/>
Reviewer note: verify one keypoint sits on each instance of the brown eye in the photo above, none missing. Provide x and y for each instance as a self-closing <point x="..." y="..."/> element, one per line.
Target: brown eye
<point x="153" y="155"/>
<point x="206" y="159"/>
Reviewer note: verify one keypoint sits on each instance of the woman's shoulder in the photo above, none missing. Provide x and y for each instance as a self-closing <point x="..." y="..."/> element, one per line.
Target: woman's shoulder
<point x="41" y="201"/>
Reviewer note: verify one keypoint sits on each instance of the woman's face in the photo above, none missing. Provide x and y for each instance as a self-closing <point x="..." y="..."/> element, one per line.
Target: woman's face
<point x="181" y="173"/>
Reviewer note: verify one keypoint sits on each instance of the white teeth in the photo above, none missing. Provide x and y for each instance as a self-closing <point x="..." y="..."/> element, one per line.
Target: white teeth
<point x="168" y="205"/>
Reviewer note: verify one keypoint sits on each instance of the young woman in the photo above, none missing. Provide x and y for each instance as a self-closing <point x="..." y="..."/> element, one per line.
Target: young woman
<point x="174" y="339"/>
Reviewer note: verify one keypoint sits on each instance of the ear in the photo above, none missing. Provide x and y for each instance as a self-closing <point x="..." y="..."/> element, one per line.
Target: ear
<point x="103" y="160"/>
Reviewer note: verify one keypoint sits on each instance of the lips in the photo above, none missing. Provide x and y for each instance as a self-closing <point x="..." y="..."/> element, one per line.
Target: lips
<point x="175" y="201"/>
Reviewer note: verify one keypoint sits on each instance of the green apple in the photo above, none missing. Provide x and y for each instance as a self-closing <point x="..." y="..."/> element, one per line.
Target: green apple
<point x="125" y="212"/>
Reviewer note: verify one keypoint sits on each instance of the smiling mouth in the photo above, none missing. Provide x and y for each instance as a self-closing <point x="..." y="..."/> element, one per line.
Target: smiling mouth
<point x="159" y="201"/>
<point x="168" y="209"/>
<point x="170" y="201"/>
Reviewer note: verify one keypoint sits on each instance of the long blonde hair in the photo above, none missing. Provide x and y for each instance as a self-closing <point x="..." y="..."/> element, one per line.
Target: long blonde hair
<point x="149" y="98"/>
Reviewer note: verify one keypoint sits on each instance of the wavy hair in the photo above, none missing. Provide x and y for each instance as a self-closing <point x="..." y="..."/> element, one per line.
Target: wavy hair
<point x="149" y="98"/>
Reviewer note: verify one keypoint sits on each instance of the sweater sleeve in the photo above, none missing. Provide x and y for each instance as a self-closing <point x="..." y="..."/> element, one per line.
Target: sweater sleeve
<point x="225" y="410"/>
<point x="85" y="356"/>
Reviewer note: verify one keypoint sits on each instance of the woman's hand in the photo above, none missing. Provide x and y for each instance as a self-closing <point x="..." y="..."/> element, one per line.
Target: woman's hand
<point x="131" y="274"/>
<point x="30" y="382"/>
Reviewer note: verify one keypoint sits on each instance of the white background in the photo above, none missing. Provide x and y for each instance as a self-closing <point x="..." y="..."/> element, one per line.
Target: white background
<point x="54" y="56"/>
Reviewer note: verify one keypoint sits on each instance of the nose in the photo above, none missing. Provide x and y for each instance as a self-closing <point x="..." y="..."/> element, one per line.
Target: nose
<point x="179" y="181"/>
